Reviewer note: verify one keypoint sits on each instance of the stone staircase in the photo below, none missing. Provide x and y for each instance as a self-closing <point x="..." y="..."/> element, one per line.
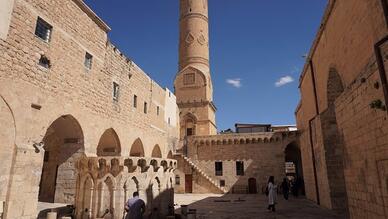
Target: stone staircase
<point x="196" y="168"/>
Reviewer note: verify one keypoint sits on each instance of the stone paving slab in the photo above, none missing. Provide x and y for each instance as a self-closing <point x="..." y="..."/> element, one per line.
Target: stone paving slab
<point x="236" y="206"/>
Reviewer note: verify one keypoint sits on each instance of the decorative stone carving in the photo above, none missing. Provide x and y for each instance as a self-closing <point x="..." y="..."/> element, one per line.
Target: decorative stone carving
<point x="202" y="40"/>
<point x="190" y="38"/>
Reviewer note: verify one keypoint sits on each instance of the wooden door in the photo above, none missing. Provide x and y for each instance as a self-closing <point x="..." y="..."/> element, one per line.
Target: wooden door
<point x="252" y="186"/>
<point x="188" y="183"/>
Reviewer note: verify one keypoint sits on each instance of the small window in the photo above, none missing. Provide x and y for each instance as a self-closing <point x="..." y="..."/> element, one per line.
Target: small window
<point x="157" y="110"/>
<point x="145" y="107"/>
<point x="177" y="180"/>
<point x="43" y="30"/>
<point x="88" y="61"/>
<point x="169" y="120"/>
<point x="134" y="101"/>
<point x="218" y="168"/>
<point x="189" y="79"/>
<point x="116" y="90"/>
<point x="239" y="168"/>
<point x="189" y="132"/>
<point x="44" y="62"/>
<point x="222" y="183"/>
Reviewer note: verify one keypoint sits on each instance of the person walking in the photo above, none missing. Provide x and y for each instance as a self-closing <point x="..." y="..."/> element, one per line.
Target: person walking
<point x="285" y="188"/>
<point x="135" y="207"/>
<point x="271" y="191"/>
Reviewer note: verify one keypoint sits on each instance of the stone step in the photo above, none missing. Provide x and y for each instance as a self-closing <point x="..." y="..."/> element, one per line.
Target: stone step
<point x="200" y="171"/>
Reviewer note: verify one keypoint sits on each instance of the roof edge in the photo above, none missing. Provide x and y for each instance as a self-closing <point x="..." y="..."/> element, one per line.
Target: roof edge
<point x="326" y="16"/>
<point x="85" y="8"/>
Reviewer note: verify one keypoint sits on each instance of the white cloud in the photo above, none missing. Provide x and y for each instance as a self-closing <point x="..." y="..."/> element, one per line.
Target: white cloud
<point x="234" y="82"/>
<point x="284" y="80"/>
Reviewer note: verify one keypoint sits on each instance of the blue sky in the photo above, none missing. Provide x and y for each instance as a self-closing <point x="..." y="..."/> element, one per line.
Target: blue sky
<point x="253" y="45"/>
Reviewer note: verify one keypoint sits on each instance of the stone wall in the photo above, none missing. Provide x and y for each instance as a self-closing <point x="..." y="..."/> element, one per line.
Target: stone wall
<point x="67" y="95"/>
<point x="342" y="137"/>
<point x="262" y="154"/>
<point x="106" y="183"/>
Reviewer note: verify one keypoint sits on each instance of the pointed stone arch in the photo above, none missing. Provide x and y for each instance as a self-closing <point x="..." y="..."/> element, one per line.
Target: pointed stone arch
<point x="293" y="155"/>
<point x="137" y="149"/>
<point x="189" y="124"/>
<point x="106" y="197"/>
<point x="109" y="144"/>
<point x="87" y="188"/>
<point x="156" y="152"/>
<point x="333" y="144"/>
<point x="169" y="155"/>
<point x="130" y="186"/>
<point x="64" y="146"/>
<point x="192" y="69"/>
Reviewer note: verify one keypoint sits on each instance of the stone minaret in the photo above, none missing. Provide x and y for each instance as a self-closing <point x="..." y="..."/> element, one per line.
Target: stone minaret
<point x="193" y="84"/>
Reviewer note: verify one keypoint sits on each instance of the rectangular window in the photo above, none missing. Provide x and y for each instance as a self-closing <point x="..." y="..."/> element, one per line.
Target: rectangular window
<point x="189" y="132"/>
<point x="134" y="101"/>
<point x="222" y="183"/>
<point x="177" y="180"/>
<point x="116" y="90"/>
<point x="169" y="121"/>
<point x="240" y="168"/>
<point x="145" y="107"/>
<point x="88" y="61"/>
<point x="218" y="168"/>
<point x="157" y="110"/>
<point x="43" y="30"/>
<point x="189" y="79"/>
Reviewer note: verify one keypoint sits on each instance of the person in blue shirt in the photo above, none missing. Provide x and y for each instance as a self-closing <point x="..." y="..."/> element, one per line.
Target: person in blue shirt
<point x="135" y="207"/>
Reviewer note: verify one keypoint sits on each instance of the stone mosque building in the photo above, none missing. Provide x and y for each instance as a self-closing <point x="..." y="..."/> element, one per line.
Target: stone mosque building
<point x="82" y="124"/>
<point x="342" y="115"/>
<point x="219" y="163"/>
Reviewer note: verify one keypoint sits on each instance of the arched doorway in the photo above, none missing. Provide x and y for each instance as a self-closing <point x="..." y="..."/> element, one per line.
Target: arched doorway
<point x="252" y="186"/>
<point x="109" y="144"/>
<point x="130" y="186"/>
<point x="293" y="159"/>
<point x="154" y="198"/>
<point x="294" y="167"/>
<point x="63" y="145"/>
<point x="188" y="128"/>
<point x="156" y="152"/>
<point x="333" y="145"/>
<point x="87" y="196"/>
<point x="105" y="198"/>
<point x="137" y="149"/>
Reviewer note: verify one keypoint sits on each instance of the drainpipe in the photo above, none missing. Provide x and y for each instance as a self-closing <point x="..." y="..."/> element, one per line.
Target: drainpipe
<point x="379" y="55"/>
<point x="381" y="67"/>
<point x="314" y="86"/>
<point x="311" y="131"/>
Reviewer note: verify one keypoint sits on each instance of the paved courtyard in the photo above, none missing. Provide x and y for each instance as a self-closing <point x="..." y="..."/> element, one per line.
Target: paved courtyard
<point x="243" y="206"/>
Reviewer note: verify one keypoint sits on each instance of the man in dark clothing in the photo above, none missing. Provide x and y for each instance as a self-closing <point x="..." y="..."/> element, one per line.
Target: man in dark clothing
<point x="135" y="207"/>
<point x="285" y="188"/>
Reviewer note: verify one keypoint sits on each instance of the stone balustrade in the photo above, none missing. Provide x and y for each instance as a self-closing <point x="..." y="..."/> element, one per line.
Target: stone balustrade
<point x="106" y="183"/>
<point x="243" y="138"/>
